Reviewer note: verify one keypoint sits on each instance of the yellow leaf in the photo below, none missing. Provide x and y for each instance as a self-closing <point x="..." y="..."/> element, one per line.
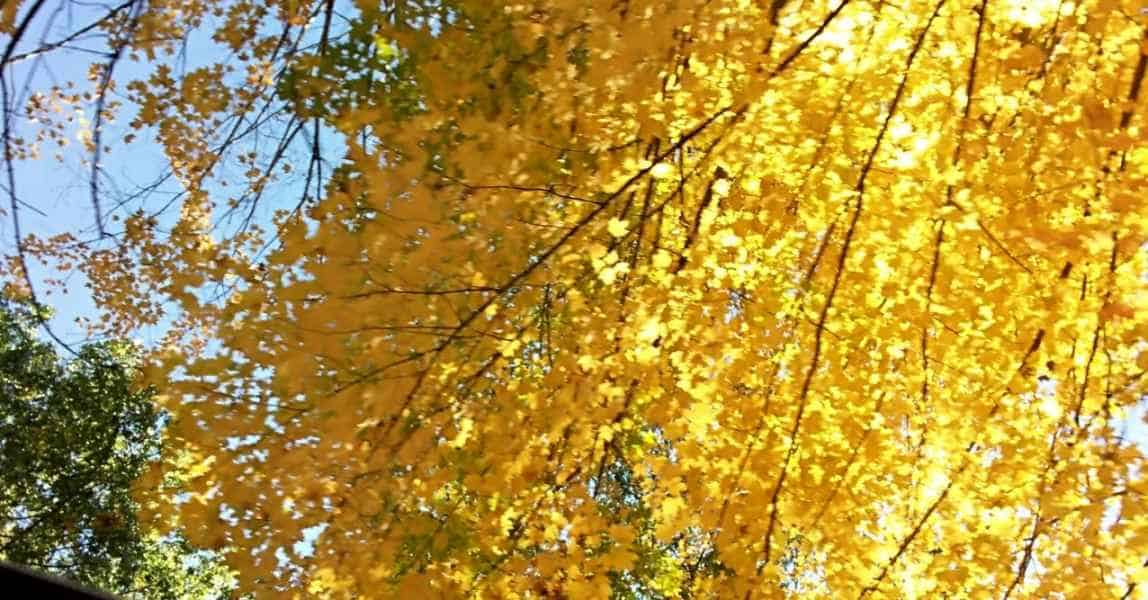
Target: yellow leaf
<point x="617" y="227"/>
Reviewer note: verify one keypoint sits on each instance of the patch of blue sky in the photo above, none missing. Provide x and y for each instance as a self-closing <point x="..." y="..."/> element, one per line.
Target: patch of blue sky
<point x="54" y="196"/>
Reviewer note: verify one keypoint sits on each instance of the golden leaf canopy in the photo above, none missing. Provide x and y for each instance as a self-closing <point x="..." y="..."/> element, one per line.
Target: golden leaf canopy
<point x="691" y="298"/>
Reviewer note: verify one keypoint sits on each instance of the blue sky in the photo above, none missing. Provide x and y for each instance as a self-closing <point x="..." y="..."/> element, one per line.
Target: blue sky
<point x="55" y="194"/>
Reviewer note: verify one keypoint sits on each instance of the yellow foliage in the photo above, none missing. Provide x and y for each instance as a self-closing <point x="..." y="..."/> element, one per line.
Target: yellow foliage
<point x="824" y="298"/>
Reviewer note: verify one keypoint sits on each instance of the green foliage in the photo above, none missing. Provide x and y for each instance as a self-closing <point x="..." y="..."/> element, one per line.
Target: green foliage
<point x="74" y="436"/>
<point x="359" y="64"/>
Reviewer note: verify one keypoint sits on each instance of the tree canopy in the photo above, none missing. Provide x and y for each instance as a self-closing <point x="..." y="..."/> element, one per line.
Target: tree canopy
<point x="722" y="298"/>
<point x="74" y="437"/>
